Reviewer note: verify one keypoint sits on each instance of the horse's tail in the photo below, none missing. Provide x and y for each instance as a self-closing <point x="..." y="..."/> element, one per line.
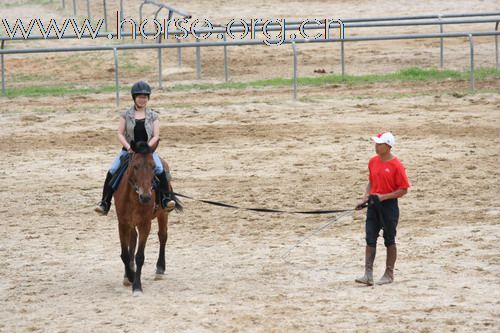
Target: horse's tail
<point x="178" y="203"/>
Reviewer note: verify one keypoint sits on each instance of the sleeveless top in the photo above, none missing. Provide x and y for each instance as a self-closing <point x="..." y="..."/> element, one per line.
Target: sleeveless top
<point x="130" y="121"/>
<point x="140" y="133"/>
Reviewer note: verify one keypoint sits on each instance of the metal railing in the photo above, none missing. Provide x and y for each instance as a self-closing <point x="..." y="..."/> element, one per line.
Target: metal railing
<point x="89" y="15"/>
<point x="254" y="42"/>
<point x="439" y="19"/>
<point x="422" y="20"/>
<point x="121" y="11"/>
<point x="171" y="11"/>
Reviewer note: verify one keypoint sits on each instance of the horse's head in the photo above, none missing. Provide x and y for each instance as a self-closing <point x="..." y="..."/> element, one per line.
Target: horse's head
<point x="141" y="171"/>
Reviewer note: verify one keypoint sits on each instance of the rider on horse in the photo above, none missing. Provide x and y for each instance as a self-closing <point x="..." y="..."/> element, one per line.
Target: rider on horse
<point x="138" y="123"/>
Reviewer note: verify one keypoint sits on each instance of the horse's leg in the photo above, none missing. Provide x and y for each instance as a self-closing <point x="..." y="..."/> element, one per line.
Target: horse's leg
<point x="144" y="229"/>
<point x="131" y="256"/>
<point x="162" y="236"/>
<point x="124" y="231"/>
<point x="132" y="246"/>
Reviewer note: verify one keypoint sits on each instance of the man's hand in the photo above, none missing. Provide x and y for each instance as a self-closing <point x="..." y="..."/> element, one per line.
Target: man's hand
<point x="361" y="204"/>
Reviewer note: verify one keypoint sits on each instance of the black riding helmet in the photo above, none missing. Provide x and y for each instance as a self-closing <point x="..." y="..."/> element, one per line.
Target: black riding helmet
<point x="140" y="88"/>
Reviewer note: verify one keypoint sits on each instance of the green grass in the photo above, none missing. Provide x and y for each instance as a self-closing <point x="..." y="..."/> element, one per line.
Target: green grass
<point x="40" y="2"/>
<point x="31" y="2"/>
<point x="59" y="90"/>
<point x="405" y="75"/>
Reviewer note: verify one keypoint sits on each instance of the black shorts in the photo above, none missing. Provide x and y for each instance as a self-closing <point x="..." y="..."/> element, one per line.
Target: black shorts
<point x="383" y="215"/>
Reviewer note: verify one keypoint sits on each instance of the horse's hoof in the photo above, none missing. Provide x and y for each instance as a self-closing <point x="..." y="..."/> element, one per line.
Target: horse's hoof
<point x="126" y="282"/>
<point x="137" y="293"/>
<point x="159" y="276"/>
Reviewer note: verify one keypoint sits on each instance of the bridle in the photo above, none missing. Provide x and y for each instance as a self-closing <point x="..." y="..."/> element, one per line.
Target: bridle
<point x="133" y="184"/>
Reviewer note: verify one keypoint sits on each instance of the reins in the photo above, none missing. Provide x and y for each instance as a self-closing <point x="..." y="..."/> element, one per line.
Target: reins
<point x="264" y="210"/>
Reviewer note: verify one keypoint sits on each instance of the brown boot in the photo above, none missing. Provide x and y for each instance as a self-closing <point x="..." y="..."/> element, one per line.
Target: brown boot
<point x="369" y="259"/>
<point x="388" y="276"/>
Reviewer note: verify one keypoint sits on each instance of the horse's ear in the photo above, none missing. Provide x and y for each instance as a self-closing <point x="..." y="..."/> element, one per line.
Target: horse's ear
<point x="132" y="145"/>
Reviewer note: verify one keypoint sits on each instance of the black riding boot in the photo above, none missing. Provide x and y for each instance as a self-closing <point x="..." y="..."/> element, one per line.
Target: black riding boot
<point x="164" y="194"/>
<point x="107" y="194"/>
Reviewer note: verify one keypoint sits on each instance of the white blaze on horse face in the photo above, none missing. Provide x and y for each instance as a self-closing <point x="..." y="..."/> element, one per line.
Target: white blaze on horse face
<point x="144" y="192"/>
<point x="144" y="174"/>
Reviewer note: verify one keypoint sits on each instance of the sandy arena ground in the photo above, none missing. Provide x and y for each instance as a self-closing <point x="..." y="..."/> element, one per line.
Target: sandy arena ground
<point x="257" y="148"/>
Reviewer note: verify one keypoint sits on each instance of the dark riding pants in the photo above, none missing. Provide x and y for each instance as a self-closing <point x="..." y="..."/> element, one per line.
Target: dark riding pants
<point x="382" y="215"/>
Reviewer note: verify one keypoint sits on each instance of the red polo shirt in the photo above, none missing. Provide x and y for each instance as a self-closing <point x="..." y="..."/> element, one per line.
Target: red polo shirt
<point x="387" y="176"/>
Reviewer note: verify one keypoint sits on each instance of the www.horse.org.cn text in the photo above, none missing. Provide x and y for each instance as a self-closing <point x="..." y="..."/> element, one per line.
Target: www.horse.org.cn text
<point x="270" y="31"/>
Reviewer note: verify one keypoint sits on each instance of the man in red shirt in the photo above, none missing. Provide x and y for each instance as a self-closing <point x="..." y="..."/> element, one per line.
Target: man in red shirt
<point x="387" y="182"/>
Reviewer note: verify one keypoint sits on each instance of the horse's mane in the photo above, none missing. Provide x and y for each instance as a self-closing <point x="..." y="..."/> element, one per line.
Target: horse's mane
<point x="141" y="147"/>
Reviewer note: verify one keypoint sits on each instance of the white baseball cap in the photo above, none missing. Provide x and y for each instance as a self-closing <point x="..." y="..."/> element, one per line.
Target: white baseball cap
<point x="385" y="137"/>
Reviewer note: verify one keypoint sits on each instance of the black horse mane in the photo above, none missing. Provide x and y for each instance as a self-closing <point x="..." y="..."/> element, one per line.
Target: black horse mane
<point x="140" y="147"/>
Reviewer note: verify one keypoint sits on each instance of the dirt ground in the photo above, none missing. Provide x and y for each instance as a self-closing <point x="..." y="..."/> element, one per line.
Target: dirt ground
<point x="256" y="148"/>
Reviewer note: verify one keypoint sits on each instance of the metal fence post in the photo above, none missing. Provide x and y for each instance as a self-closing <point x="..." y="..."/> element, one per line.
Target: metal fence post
<point x="160" y="68"/>
<point x="226" y="73"/>
<point x="140" y="20"/>
<point x="294" y="48"/>
<point x="160" y="57"/>
<point x="117" y="83"/>
<point x="88" y="10"/>
<point x="472" y="83"/>
<point x="121" y="9"/>
<point x="496" y="45"/>
<point x="441" y="44"/>
<point x="63" y="4"/>
<point x="4" y="93"/>
<point x="179" y="53"/>
<point x="198" y="61"/>
<point x="105" y="15"/>
<point x="342" y="56"/>
<point x="74" y="7"/>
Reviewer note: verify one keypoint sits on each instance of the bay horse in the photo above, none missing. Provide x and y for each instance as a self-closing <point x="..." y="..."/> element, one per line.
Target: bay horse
<point x="136" y="208"/>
